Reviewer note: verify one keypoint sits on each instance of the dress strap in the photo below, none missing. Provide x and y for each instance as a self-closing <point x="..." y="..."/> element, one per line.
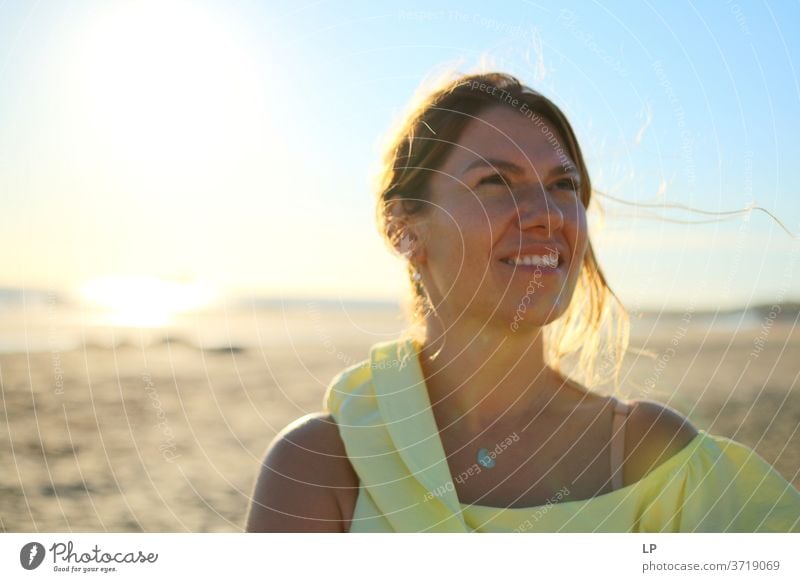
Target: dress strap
<point x="621" y="410"/>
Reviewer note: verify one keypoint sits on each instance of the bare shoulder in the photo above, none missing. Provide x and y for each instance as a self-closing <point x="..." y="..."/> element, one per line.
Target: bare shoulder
<point x="654" y="434"/>
<point x="305" y="482"/>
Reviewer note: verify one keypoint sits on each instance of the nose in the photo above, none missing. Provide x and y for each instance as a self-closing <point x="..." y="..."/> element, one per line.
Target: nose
<point x="537" y="209"/>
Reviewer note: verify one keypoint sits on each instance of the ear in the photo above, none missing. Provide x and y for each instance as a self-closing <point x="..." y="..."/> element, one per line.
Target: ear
<point x="402" y="238"/>
<point x="404" y="233"/>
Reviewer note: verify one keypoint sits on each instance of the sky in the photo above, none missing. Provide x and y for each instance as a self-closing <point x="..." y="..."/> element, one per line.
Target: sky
<point x="230" y="146"/>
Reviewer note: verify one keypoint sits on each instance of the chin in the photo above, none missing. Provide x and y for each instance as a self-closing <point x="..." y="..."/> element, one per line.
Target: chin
<point x="530" y="318"/>
<point x="515" y="314"/>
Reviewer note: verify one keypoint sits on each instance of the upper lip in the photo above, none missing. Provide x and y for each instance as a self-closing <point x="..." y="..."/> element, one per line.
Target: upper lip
<point x="541" y="249"/>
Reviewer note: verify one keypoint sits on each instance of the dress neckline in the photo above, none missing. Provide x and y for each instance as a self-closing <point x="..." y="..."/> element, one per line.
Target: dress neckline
<point x="656" y="473"/>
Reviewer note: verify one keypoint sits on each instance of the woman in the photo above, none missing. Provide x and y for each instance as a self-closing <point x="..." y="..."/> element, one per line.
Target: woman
<point x="467" y="423"/>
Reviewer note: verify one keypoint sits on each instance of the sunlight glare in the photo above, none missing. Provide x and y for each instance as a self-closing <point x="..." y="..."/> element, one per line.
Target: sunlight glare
<point x="164" y="86"/>
<point x="144" y="301"/>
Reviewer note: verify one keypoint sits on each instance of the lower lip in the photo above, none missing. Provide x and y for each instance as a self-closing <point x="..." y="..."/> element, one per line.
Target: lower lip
<point x="533" y="269"/>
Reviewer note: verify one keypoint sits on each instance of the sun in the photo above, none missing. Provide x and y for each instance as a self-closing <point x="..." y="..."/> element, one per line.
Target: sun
<point x="144" y="301"/>
<point x="162" y="87"/>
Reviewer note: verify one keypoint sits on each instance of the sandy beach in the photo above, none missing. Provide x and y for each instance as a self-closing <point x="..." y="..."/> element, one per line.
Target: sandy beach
<point x="166" y="435"/>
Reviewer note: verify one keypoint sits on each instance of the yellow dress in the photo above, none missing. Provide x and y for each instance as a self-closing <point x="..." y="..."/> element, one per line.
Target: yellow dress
<point x="384" y="415"/>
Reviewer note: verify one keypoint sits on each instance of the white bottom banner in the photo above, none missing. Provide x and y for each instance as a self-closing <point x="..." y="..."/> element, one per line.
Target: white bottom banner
<point x="108" y="556"/>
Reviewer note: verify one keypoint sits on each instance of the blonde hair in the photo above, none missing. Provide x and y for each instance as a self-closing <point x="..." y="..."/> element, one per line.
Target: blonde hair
<point x="411" y="156"/>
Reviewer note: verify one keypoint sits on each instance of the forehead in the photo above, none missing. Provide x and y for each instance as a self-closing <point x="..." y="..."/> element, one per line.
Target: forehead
<point x="506" y="133"/>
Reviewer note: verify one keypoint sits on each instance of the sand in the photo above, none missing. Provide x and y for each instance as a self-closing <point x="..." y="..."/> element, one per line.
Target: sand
<point x="163" y="436"/>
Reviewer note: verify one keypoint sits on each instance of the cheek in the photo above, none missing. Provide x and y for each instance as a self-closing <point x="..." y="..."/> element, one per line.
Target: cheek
<point x="464" y="232"/>
<point x="581" y="230"/>
<point x="578" y="234"/>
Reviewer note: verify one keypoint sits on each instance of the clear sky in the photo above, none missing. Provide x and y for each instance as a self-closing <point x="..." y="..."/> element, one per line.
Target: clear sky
<point x="231" y="144"/>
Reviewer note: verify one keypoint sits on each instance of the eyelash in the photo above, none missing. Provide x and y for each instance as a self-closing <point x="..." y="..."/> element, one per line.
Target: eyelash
<point x="571" y="184"/>
<point x="483" y="180"/>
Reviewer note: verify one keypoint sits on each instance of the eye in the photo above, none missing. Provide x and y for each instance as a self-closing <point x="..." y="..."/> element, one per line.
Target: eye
<point x="494" y="179"/>
<point x="567" y="184"/>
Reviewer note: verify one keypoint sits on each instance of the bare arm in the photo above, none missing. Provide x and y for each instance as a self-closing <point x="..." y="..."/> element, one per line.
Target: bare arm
<point x="305" y="482"/>
<point x="655" y="434"/>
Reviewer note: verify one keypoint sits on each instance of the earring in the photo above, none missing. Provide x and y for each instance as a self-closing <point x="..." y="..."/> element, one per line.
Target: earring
<point x="416" y="276"/>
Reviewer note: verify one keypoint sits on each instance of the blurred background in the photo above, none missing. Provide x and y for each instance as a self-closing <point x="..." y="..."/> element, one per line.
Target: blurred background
<point x="189" y="253"/>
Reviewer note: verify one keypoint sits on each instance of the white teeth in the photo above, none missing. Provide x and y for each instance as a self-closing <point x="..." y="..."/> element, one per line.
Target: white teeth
<point x="535" y="260"/>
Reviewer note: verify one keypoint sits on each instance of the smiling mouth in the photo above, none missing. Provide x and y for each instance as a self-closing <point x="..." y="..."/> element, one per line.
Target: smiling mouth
<point x="536" y="265"/>
<point x="550" y="261"/>
<point x="547" y="258"/>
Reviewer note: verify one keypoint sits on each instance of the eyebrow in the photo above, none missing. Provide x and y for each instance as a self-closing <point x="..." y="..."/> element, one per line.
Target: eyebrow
<point x="515" y="169"/>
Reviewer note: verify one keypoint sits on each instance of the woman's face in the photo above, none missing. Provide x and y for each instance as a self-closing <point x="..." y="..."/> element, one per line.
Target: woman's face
<point x="506" y="193"/>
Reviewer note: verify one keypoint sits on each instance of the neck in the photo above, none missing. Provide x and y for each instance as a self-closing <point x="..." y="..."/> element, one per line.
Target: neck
<point x="476" y="374"/>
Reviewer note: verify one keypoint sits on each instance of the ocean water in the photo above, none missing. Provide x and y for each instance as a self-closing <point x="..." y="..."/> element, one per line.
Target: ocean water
<point x="40" y="321"/>
<point x="44" y="323"/>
